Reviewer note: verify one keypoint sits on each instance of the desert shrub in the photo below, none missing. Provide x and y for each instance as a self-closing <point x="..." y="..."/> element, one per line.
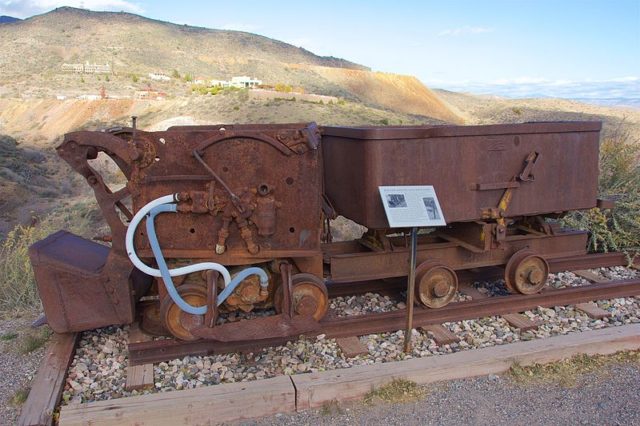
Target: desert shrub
<point x="17" y="284"/>
<point x="618" y="228"/>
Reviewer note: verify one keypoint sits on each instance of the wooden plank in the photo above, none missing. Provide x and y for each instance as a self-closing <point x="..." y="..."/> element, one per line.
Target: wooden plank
<point x="206" y="405"/>
<point x="48" y="384"/>
<point x="139" y="376"/>
<point x="316" y="389"/>
<point x="590" y="276"/>
<point x="472" y="292"/>
<point x="442" y="335"/>
<point x="351" y="346"/>
<point x="520" y="322"/>
<point x="592" y="310"/>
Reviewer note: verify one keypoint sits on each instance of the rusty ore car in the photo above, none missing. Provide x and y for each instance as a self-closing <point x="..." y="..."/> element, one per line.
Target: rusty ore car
<point x="224" y="218"/>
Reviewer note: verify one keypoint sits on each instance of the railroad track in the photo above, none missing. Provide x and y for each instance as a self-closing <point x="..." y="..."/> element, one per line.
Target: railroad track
<point x="336" y="327"/>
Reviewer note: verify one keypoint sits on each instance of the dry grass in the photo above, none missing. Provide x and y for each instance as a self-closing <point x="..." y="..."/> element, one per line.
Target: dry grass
<point x="32" y="340"/>
<point x="618" y="228"/>
<point x="9" y="335"/>
<point x="19" y="397"/>
<point x="397" y="391"/>
<point x="566" y="373"/>
<point x="17" y="283"/>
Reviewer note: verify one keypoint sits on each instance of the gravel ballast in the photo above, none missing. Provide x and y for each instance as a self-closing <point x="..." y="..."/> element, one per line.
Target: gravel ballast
<point x="98" y="370"/>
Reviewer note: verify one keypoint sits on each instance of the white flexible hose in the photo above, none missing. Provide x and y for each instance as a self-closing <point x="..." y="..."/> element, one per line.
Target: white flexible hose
<point x="131" y="252"/>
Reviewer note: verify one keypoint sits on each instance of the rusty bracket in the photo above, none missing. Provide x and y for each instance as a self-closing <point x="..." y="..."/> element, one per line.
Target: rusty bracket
<point x="258" y="328"/>
<point x="234" y="198"/>
<point x="287" y="290"/>
<point x="211" y="315"/>
<point x="527" y="172"/>
<point x="499" y="213"/>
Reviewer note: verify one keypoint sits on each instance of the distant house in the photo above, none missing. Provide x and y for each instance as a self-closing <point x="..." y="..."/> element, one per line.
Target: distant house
<point x="89" y="97"/>
<point x="240" y="82"/>
<point x="245" y="81"/>
<point x="61" y="97"/>
<point x="199" y="80"/>
<point x="77" y="68"/>
<point x="219" y="83"/>
<point x="159" y="76"/>
<point x="87" y="68"/>
<point x="149" y="94"/>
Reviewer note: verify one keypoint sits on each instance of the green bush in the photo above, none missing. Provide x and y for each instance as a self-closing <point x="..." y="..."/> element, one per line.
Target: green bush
<point x="17" y="284"/>
<point x="617" y="228"/>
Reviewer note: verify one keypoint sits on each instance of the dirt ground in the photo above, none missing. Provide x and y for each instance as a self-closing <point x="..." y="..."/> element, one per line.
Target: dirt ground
<point x="610" y="397"/>
<point x="18" y="363"/>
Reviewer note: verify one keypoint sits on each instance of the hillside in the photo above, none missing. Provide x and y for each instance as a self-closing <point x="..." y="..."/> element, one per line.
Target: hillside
<point x="4" y="19"/>
<point x="483" y="109"/>
<point x="33" y="51"/>
<point x="30" y="129"/>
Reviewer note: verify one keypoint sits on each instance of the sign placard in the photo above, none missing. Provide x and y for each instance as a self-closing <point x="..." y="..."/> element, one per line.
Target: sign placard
<point x="411" y="206"/>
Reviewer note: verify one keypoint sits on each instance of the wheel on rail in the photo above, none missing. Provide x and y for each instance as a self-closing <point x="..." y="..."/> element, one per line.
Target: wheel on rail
<point x="178" y="322"/>
<point x="150" y="319"/>
<point x="310" y="296"/>
<point x="526" y="272"/>
<point x="436" y="284"/>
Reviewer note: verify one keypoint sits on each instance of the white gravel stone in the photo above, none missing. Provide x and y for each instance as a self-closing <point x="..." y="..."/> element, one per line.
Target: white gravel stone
<point x="97" y="374"/>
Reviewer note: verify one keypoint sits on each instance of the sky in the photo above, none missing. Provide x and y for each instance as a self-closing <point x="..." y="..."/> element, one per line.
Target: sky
<point x="568" y="48"/>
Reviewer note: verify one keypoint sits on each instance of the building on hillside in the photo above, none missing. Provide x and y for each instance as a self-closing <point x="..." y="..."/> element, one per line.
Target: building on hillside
<point x="97" y="68"/>
<point x="149" y="94"/>
<point x="240" y="82"/>
<point x="87" y="68"/>
<point x="159" y="76"/>
<point x="245" y="81"/>
<point x="219" y="83"/>
<point x="77" y="68"/>
<point x="89" y="97"/>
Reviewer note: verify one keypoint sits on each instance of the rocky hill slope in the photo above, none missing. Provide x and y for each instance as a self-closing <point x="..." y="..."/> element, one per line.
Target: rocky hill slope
<point x="33" y="51"/>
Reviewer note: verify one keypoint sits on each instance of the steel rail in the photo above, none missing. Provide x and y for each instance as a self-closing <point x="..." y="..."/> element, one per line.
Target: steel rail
<point x="596" y="260"/>
<point x="161" y="350"/>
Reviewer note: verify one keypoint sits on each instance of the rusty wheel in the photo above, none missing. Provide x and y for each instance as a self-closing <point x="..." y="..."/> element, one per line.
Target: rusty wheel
<point x="150" y="320"/>
<point x="526" y="272"/>
<point x="178" y="322"/>
<point x="436" y="284"/>
<point x="310" y="296"/>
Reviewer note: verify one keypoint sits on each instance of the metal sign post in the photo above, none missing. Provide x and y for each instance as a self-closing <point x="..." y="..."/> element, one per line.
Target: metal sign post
<point x="411" y="286"/>
<point x="411" y="206"/>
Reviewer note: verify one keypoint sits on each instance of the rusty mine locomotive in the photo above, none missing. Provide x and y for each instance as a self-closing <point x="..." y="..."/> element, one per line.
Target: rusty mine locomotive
<point x="216" y="219"/>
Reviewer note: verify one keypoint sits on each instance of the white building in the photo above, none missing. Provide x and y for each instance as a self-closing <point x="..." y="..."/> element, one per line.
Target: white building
<point x="240" y="82"/>
<point x="159" y="76"/>
<point x="219" y="83"/>
<point x="245" y="81"/>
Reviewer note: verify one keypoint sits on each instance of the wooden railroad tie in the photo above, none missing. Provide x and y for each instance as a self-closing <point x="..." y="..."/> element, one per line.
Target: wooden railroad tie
<point x="139" y="376"/>
<point x="440" y="334"/>
<point x="592" y="310"/>
<point x="48" y="384"/>
<point x="351" y="346"/>
<point x="471" y="291"/>
<point x="520" y="322"/>
<point x="590" y="276"/>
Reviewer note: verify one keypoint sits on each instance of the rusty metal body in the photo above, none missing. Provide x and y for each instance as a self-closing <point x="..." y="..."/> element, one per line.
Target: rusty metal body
<point x="470" y="168"/>
<point x="256" y="196"/>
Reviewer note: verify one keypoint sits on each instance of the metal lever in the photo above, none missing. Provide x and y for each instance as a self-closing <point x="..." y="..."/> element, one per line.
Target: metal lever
<point x="234" y="198"/>
<point x="527" y="172"/>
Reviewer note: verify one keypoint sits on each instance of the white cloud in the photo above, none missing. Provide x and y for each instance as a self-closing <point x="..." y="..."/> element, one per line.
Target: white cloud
<point x="464" y="30"/>
<point x="26" y="8"/>
<point x="619" y="90"/>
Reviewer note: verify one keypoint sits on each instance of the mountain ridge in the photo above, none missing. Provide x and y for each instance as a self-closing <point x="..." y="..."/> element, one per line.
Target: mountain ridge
<point x="4" y="19"/>
<point x="33" y="51"/>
